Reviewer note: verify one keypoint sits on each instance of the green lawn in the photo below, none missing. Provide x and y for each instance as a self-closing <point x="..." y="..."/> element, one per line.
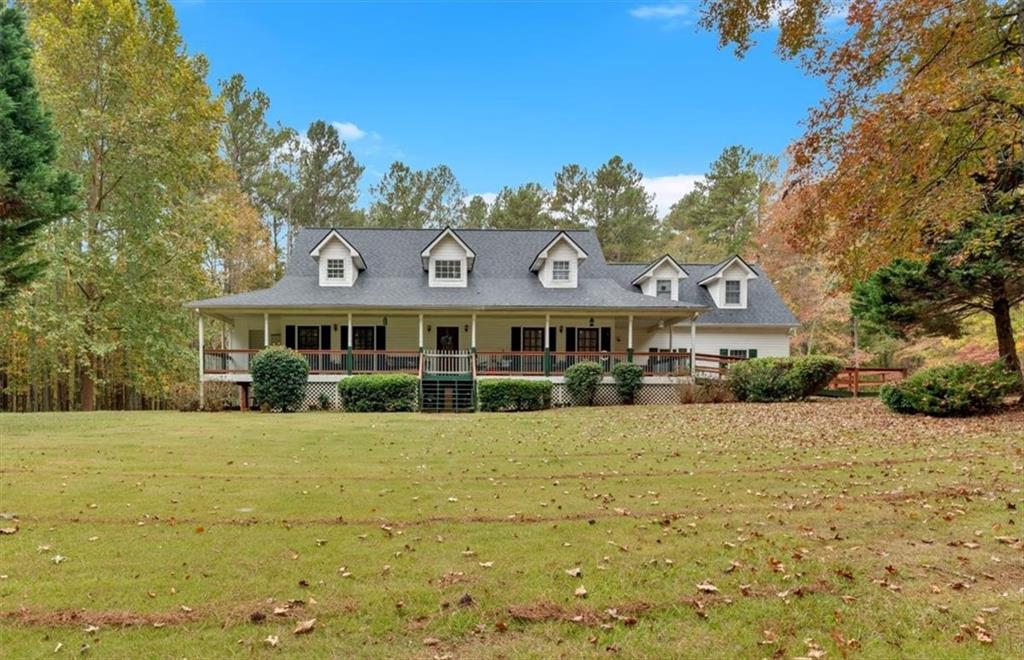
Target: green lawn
<point x="829" y="527"/>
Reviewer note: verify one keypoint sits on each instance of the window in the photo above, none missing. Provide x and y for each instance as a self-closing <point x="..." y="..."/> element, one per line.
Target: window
<point x="335" y="269"/>
<point x="732" y="292"/>
<point x="533" y="339"/>
<point x="664" y="289"/>
<point x="448" y="269"/>
<point x="588" y="340"/>
<point x="308" y="338"/>
<point x="738" y="352"/>
<point x="363" y="337"/>
<point x="560" y="271"/>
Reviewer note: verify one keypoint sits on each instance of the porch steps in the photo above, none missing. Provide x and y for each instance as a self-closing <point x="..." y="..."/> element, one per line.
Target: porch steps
<point x="447" y="394"/>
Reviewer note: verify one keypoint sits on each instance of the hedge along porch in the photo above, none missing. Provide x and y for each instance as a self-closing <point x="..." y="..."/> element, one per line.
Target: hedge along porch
<point x="473" y="344"/>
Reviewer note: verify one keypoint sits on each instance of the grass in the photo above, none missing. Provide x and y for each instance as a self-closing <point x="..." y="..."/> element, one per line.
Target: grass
<point x="830" y="527"/>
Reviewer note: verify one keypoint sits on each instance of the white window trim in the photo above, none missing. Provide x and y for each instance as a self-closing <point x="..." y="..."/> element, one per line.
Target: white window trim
<point x="435" y="281"/>
<point x="556" y="271"/>
<point x="336" y="262"/>
<point x="739" y="293"/>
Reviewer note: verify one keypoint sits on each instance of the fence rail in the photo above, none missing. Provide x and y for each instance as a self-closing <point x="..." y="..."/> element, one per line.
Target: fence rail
<point x="447" y="363"/>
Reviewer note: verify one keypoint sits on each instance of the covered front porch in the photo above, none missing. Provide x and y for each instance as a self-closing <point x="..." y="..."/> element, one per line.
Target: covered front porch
<point x="337" y="343"/>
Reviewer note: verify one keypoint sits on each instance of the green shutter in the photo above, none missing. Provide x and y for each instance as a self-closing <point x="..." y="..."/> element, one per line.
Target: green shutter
<point x="724" y="352"/>
<point x="752" y="352"/>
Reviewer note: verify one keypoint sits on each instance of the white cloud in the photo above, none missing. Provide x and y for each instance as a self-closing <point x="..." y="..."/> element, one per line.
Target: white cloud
<point x="668" y="190"/>
<point x="659" y="12"/>
<point x="488" y="197"/>
<point x="348" y="131"/>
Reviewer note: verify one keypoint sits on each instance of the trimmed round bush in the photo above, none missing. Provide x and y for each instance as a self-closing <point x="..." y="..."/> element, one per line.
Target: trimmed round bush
<point x="956" y="390"/>
<point x="513" y="395"/>
<point x="628" y="379"/>
<point x="581" y="380"/>
<point x="279" y="377"/>
<point x="782" y="379"/>
<point x="379" y="393"/>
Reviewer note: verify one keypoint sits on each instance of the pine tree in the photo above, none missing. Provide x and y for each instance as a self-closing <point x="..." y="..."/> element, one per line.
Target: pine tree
<point x="33" y="190"/>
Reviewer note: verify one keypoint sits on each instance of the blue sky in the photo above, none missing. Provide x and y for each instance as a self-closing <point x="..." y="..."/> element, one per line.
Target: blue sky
<point x="507" y="92"/>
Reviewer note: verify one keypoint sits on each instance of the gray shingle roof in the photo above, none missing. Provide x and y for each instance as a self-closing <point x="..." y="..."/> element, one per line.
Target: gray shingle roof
<point x="764" y="306"/>
<point x="394" y="277"/>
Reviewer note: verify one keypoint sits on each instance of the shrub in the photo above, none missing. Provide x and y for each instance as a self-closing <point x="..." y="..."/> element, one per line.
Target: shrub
<point x="782" y="379"/>
<point x="379" y="393"/>
<point x="581" y="380"/>
<point x="218" y="395"/>
<point x="183" y="396"/>
<point x="705" y="390"/>
<point x="955" y="390"/>
<point x="628" y="379"/>
<point x="279" y="378"/>
<point x="513" y="395"/>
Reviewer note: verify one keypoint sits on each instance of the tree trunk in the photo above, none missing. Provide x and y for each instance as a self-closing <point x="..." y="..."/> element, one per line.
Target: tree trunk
<point x="1004" y="332"/>
<point x="88" y="391"/>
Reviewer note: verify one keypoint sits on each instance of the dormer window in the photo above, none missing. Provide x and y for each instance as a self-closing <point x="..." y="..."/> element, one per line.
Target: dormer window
<point x="338" y="261"/>
<point x="661" y="278"/>
<point x="557" y="264"/>
<point x="729" y="283"/>
<point x="335" y="269"/>
<point x="448" y="269"/>
<point x="448" y="260"/>
<point x="732" y="292"/>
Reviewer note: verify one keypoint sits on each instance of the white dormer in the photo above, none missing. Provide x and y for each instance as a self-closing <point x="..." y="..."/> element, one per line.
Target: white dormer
<point x="728" y="283"/>
<point x="661" y="279"/>
<point x="448" y="260"/>
<point x="338" y="262"/>
<point x="557" y="264"/>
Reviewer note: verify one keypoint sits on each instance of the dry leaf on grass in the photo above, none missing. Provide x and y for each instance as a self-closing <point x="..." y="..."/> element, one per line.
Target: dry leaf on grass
<point x="305" y="627"/>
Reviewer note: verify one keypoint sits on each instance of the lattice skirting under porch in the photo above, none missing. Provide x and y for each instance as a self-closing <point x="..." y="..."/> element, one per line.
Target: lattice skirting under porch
<point x="648" y="394"/>
<point x="315" y="390"/>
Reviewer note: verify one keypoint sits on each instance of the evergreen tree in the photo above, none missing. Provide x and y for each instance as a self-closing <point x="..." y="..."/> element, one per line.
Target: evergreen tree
<point x="624" y="212"/>
<point x="253" y="151"/>
<point x="720" y="215"/>
<point x="326" y="180"/>
<point x="525" y="207"/>
<point x="33" y="190"/>
<point x="572" y="201"/>
<point x="476" y="213"/>
<point x="405" y="197"/>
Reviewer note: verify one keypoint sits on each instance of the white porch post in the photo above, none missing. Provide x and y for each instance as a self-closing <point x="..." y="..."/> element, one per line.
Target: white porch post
<point x="629" y="340"/>
<point x="693" y="345"/>
<point x="202" y="392"/>
<point x="421" y="333"/>
<point x="547" y="332"/>
<point x="671" y="332"/>
<point x="266" y="329"/>
<point x="472" y="333"/>
<point x="349" y="330"/>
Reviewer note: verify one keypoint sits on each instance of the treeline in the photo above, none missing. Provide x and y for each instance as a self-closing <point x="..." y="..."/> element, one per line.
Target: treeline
<point x="128" y="186"/>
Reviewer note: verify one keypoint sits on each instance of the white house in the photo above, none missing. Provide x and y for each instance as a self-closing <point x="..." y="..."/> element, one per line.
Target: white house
<point x="455" y="306"/>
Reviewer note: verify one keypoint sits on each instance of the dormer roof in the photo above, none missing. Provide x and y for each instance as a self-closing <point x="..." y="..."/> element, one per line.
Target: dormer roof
<point x="581" y="254"/>
<point x="720" y="269"/>
<point x="448" y="232"/>
<point x="333" y="234"/>
<point x="649" y="271"/>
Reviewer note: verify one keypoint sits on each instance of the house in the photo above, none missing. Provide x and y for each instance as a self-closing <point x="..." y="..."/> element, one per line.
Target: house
<point x="455" y="306"/>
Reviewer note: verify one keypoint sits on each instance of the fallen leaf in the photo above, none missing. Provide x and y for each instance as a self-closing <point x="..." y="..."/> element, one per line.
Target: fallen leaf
<point x="581" y="592"/>
<point x="305" y="627"/>
<point x="707" y="587"/>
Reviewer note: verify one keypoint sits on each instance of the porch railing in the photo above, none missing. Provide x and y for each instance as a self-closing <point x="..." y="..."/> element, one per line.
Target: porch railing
<point x="447" y="363"/>
<point x="236" y="360"/>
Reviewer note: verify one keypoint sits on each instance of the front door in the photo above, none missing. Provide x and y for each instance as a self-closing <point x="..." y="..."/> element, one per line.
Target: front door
<point x="447" y="338"/>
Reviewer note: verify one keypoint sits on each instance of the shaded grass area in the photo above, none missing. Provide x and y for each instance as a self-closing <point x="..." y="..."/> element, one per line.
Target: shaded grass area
<point x="830" y="527"/>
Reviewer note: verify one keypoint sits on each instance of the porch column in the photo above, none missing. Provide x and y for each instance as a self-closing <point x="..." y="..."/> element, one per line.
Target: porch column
<point x="671" y="331"/>
<point x="202" y="392"/>
<point x="266" y="329"/>
<point x="547" y="344"/>
<point x="629" y="340"/>
<point x="421" y="333"/>
<point x="472" y="334"/>
<point x="693" y="345"/>
<point x="349" y="354"/>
